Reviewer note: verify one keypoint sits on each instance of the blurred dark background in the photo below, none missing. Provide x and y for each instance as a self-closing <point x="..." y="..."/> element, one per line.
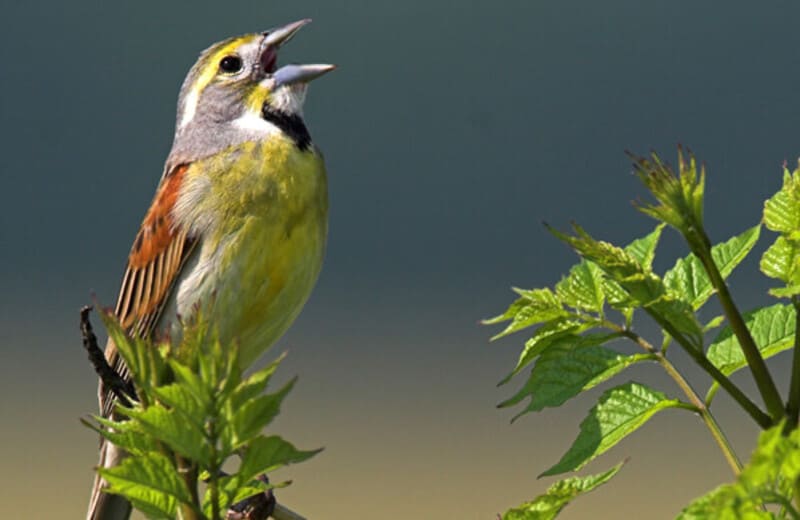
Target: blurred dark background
<point x="451" y="130"/>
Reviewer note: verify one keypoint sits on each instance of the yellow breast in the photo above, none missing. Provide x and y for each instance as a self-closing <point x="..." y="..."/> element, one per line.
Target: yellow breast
<point x="260" y="211"/>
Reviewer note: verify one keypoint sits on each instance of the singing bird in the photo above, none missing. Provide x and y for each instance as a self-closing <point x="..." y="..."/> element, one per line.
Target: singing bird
<point x="238" y="224"/>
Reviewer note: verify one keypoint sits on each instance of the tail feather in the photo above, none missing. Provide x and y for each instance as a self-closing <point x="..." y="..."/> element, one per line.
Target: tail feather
<point x="103" y="506"/>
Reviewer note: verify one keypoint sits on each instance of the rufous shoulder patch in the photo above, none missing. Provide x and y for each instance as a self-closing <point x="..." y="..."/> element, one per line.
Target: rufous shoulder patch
<point x="158" y="229"/>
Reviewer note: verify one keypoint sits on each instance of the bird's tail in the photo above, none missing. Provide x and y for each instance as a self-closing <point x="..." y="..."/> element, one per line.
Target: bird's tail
<point x="104" y="506"/>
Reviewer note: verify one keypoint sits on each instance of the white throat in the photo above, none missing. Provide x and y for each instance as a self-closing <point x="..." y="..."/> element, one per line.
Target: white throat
<point x="253" y="122"/>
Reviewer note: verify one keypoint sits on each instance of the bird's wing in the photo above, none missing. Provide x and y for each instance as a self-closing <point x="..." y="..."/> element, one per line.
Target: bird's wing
<point x="159" y="252"/>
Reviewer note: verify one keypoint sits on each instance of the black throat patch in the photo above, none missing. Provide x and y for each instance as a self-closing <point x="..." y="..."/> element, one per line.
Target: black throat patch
<point x="291" y="124"/>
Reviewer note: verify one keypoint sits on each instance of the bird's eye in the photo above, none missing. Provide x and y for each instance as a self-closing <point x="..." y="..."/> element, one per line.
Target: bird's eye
<point x="230" y="64"/>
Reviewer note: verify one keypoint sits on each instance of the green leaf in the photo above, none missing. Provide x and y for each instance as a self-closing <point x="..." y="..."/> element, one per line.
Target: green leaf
<point x="169" y="427"/>
<point x="557" y="496"/>
<point x="246" y="422"/>
<point x="192" y="383"/>
<point x="570" y="366"/>
<point x="785" y="292"/>
<point x="619" y="300"/>
<point x="211" y="363"/>
<point x="782" y="261"/>
<point x="672" y="312"/>
<point x="616" y="296"/>
<point x="583" y="288"/>
<point x="724" y="503"/>
<point x="511" y="311"/>
<point x="619" y="412"/>
<point x="782" y="214"/>
<point x="150" y="482"/>
<point x="729" y="254"/>
<point x="713" y="323"/>
<point x="124" y="434"/>
<point x="782" y="210"/>
<point x="265" y="454"/>
<point x="255" y="384"/>
<point x="772" y="328"/>
<point x="645" y="288"/>
<point x="644" y="249"/>
<point x="688" y="278"/>
<point x="615" y="261"/>
<point x="533" y="306"/>
<point x="545" y="336"/>
<point x="184" y="402"/>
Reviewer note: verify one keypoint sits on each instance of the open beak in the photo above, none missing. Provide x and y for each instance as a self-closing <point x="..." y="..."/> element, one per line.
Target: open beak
<point x="288" y="74"/>
<point x="279" y="35"/>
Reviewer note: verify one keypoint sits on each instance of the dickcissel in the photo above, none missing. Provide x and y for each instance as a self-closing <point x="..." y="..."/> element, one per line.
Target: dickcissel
<point x="238" y="223"/>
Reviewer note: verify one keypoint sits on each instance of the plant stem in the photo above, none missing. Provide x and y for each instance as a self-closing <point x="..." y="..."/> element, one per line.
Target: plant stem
<point x="187" y="512"/>
<point x="793" y="403"/>
<point x="699" y="357"/>
<point x="796" y="494"/>
<point x="216" y="467"/>
<point x="699" y="405"/>
<point x="705" y="414"/>
<point x="189" y="473"/>
<point x="764" y="382"/>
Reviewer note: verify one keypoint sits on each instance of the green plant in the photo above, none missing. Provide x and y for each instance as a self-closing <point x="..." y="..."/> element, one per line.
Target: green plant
<point x="195" y="410"/>
<point x="596" y="303"/>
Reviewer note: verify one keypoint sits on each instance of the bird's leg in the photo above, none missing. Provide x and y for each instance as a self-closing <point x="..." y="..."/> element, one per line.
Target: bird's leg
<point x="122" y="389"/>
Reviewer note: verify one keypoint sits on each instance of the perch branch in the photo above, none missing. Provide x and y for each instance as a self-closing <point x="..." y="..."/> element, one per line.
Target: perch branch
<point x="284" y="513"/>
<point x="261" y="507"/>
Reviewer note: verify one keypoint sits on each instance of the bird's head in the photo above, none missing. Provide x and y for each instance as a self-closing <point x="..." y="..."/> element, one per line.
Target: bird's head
<point x="236" y="91"/>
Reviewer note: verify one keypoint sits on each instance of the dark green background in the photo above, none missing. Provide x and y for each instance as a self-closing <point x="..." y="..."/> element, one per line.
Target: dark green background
<point x="451" y="130"/>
